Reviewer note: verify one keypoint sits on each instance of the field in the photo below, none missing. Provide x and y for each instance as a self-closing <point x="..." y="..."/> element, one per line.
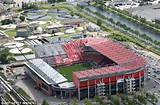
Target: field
<point x="68" y="70"/>
<point x="11" y="33"/>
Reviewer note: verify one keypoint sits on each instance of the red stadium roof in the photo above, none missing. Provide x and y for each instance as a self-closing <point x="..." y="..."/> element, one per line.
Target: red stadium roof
<point x="112" y="50"/>
<point x="125" y="58"/>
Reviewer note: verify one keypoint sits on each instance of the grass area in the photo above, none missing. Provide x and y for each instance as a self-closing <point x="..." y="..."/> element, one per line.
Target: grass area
<point x="68" y="70"/>
<point x="11" y="33"/>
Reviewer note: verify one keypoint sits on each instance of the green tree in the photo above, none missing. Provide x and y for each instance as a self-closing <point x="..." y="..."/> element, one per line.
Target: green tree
<point x="87" y="102"/>
<point x="115" y="100"/>
<point x="6" y="21"/>
<point x="45" y="102"/>
<point x="142" y="99"/>
<point x="99" y="100"/>
<point x="74" y="102"/>
<point x="99" y="22"/>
<point x="51" y="1"/>
<point x="22" y="18"/>
<point x="6" y="56"/>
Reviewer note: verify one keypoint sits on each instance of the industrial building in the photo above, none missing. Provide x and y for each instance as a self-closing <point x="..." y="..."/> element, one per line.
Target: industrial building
<point x="115" y="69"/>
<point x="22" y="30"/>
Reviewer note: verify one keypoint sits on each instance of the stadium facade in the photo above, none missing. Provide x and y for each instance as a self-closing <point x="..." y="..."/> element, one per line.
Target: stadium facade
<point x="115" y="68"/>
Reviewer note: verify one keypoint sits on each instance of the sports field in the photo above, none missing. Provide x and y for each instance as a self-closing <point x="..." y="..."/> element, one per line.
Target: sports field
<point x="68" y="70"/>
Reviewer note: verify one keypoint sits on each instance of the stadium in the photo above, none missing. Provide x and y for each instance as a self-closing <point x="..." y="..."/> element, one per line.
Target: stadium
<point x="86" y="67"/>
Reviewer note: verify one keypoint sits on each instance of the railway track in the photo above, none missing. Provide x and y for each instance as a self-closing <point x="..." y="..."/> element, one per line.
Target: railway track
<point x="17" y="98"/>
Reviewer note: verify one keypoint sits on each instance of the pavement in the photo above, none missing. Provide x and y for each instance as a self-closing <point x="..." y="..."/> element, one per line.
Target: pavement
<point x="37" y="95"/>
<point x="149" y="12"/>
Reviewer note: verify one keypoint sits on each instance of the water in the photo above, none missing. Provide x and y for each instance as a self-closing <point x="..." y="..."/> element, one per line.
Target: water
<point x="141" y="29"/>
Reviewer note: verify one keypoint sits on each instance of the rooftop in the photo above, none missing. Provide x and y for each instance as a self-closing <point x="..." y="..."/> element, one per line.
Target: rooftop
<point x="47" y="50"/>
<point x="46" y="72"/>
<point x="125" y="58"/>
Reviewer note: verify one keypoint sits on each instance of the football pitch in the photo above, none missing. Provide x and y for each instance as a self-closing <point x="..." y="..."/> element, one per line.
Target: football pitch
<point x="67" y="71"/>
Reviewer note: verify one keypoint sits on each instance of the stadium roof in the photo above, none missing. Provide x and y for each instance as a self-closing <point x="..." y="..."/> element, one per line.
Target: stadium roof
<point x="45" y="72"/>
<point x="66" y="85"/>
<point x="125" y="58"/>
<point x="113" y="50"/>
<point x="47" y="50"/>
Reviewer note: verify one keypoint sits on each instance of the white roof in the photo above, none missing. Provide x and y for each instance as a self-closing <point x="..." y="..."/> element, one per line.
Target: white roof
<point x="70" y="31"/>
<point x="66" y="85"/>
<point x="13" y="44"/>
<point x="59" y="33"/>
<point x="55" y="25"/>
<point x="46" y="72"/>
<point x="19" y="39"/>
<point x="32" y="37"/>
<point x="46" y="35"/>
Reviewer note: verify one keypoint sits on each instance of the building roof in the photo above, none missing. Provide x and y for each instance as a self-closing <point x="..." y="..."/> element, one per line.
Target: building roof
<point x="125" y="58"/>
<point x="47" y="50"/>
<point x="66" y="85"/>
<point x="45" y="72"/>
<point x="113" y="50"/>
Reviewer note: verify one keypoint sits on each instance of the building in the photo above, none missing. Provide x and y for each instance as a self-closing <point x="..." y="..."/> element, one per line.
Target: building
<point x="22" y="30"/>
<point x="115" y="69"/>
<point x="93" y="27"/>
<point x="74" y="22"/>
<point x="3" y="9"/>
<point x="47" y="78"/>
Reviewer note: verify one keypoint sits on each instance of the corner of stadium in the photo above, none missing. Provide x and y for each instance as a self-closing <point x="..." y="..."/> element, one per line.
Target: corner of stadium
<point x="80" y="68"/>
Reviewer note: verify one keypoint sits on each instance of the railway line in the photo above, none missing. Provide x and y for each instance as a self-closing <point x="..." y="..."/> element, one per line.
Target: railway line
<point x="14" y="95"/>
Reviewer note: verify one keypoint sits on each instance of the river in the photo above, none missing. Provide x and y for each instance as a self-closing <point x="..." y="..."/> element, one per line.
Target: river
<point x="141" y="29"/>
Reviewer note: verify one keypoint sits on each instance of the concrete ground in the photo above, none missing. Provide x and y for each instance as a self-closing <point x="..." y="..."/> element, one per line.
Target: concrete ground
<point x="37" y="95"/>
<point x="150" y="12"/>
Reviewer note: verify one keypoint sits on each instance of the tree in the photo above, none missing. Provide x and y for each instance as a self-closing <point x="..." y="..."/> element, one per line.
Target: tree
<point x="115" y="100"/>
<point x="99" y="22"/>
<point x="6" y="56"/>
<point x="45" y="102"/>
<point x="22" y="18"/>
<point x="87" y="102"/>
<point x="51" y="1"/>
<point x="72" y="14"/>
<point x="74" y="102"/>
<point x="26" y="6"/>
<point x="6" y="21"/>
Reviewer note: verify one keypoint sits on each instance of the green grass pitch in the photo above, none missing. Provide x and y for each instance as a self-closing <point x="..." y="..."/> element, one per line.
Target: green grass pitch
<point x="67" y="71"/>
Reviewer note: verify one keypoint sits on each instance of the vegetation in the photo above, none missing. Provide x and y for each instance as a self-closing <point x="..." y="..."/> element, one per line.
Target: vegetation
<point x="22" y="18"/>
<point x="99" y="100"/>
<point x="26" y="6"/>
<point x="135" y="39"/>
<point x="1" y="68"/>
<point x="45" y="102"/>
<point x="74" y="102"/>
<point x="115" y="100"/>
<point x="142" y="99"/>
<point x="130" y="17"/>
<point x="54" y="1"/>
<point x="11" y="33"/>
<point x="99" y="22"/>
<point x="124" y="27"/>
<point x="6" y="56"/>
<point x="7" y="21"/>
<point x="87" y="102"/>
<point x="152" y="98"/>
<point x="68" y="70"/>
